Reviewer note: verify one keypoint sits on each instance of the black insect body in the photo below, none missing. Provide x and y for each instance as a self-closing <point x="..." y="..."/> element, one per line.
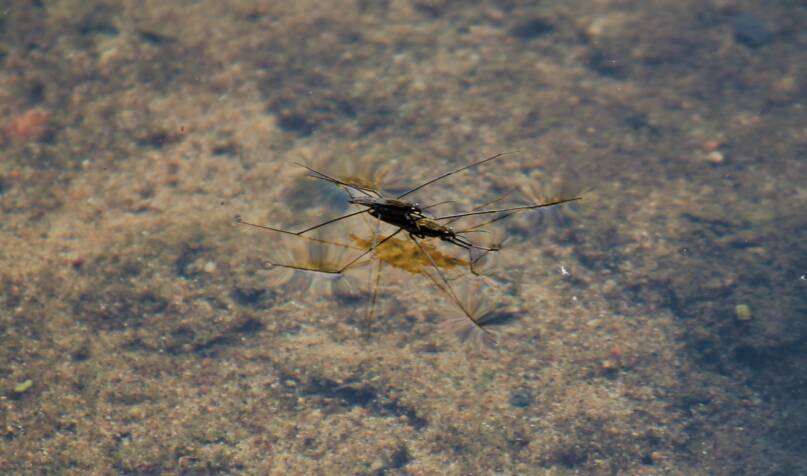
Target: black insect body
<point x="413" y="219"/>
<point x="391" y="210"/>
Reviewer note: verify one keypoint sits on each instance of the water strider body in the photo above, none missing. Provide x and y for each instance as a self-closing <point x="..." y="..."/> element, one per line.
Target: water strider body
<point x="421" y="226"/>
<point x="390" y="210"/>
<point x="411" y="218"/>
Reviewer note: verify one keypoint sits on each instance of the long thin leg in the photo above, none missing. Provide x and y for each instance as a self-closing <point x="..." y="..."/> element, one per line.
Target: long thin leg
<point x="473" y="261"/>
<point x="374" y="232"/>
<point x="487" y="204"/>
<point x="466" y="243"/>
<point x="476" y="228"/>
<point x="442" y="176"/>
<point x="371" y="309"/>
<point x="310" y="238"/>
<point x="323" y="176"/>
<point x="502" y="210"/>
<point x="446" y="287"/>
<point x="463" y="242"/>
<point x="346" y="266"/>
<point x="240" y="221"/>
<point x="370" y="250"/>
<point x="436" y="204"/>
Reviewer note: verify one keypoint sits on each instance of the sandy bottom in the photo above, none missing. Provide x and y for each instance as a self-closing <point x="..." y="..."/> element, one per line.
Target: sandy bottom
<point x="656" y="327"/>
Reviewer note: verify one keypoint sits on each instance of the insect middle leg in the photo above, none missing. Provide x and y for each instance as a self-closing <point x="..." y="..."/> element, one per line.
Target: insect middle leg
<point x="343" y="268"/>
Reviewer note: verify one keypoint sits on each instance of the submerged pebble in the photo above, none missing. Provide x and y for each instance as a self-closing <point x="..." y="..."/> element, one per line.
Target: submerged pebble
<point x="743" y="312"/>
<point x="750" y="31"/>
<point x="521" y="398"/>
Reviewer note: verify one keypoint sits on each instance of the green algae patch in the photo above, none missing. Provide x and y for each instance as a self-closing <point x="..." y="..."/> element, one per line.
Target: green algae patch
<point x="23" y="387"/>
<point x="743" y="312"/>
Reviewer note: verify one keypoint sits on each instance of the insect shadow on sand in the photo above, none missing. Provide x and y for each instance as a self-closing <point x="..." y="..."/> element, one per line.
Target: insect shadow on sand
<point x="412" y="244"/>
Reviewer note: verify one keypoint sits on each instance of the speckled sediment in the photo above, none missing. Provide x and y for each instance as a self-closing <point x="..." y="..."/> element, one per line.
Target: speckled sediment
<point x="141" y="331"/>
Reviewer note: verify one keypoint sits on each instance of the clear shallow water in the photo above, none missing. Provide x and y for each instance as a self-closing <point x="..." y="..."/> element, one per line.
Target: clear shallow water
<point x="660" y="323"/>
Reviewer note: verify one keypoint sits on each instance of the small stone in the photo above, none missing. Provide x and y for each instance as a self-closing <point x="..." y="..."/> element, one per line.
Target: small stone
<point x="743" y="312"/>
<point x="750" y="31"/>
<point x="657" y="456"/>
<point x="609" y="365"/>
<point x="137" y="413"/>
<point x="533" y="28"/>
<point x="521" y="398"/>
<point x="715" y="157"/>
<point x="654" y="457"/>
<point x="29" y="126"/>
<point x="786" y="85"/>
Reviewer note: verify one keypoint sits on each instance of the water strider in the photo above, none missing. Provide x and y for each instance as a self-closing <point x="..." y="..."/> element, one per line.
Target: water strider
<point x="411" y="218"/>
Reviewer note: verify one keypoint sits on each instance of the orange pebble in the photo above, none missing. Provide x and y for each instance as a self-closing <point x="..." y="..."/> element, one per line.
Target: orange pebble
<point x="712" y="145"/>
<point x="609" y="365"/>
<point x="30" y="125"/>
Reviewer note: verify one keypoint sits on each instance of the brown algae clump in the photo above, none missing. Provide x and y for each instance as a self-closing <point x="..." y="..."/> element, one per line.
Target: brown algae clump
<point x="404" y="254"/>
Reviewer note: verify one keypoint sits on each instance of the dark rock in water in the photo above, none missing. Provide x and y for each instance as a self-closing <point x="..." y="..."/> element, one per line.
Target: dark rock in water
<point x="532" y="28"/>
<point x="750" y="31"/>
<point x="521" y="398"/>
